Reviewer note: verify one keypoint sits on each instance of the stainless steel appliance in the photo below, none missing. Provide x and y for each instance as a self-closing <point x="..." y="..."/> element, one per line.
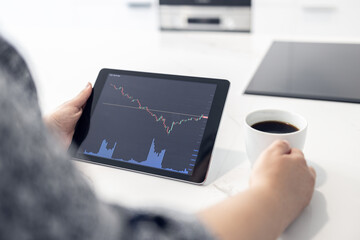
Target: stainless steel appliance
<point x="206" y="15"/>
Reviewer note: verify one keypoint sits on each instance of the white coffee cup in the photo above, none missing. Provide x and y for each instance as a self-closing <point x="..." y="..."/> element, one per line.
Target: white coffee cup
<point x="257" y="141"/>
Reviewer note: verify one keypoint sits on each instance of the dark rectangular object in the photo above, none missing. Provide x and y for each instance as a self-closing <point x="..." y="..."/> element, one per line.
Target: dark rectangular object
<point x="158" y="124"/>
<point x="321" y="71"/>
<point x="207" y="2"/>
<point x="204" y="20"/>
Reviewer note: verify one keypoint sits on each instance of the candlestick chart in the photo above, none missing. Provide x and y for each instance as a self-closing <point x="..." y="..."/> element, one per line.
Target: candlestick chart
<point x="158" y="118"/>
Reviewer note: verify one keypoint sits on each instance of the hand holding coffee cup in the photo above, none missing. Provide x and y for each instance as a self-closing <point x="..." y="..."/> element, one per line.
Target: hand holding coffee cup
<point x="263" y="127"/>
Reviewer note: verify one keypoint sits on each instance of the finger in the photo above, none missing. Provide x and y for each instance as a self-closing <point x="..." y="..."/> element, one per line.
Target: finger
<point x="80" y="100"/>
<point x="280" y="147"/>
<point x="312" y="171"/>
<point x="298" y="156"/>
<point x="297" y="152"/>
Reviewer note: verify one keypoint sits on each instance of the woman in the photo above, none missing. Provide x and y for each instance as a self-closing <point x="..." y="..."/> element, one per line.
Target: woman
<point x="43" y="196"/>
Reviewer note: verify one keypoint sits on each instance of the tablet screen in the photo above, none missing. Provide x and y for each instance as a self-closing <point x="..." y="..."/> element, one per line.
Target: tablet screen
<point x="149" y="122"/>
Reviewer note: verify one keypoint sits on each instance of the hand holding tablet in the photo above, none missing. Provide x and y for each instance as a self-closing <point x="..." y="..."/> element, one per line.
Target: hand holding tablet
<point x="157" y="124"/>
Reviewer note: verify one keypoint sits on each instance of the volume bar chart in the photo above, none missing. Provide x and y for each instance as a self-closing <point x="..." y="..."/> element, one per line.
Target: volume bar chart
<point x="154" y="159"/>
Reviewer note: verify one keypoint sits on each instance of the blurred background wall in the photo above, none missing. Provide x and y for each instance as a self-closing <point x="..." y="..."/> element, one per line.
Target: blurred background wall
<point x="290" y="17"/>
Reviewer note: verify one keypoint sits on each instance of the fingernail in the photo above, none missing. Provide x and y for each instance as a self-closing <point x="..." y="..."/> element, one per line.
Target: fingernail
<point x="87" y="85"/>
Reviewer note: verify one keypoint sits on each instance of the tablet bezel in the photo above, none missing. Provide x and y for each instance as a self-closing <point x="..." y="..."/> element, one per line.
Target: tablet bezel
<point x="207" y="143"/>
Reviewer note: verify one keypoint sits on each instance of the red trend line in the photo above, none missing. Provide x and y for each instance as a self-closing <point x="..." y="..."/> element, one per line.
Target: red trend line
<point x="168" y="128"/>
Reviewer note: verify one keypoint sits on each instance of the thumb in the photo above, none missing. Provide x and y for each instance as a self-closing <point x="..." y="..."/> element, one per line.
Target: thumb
<point x="80" y="100"/>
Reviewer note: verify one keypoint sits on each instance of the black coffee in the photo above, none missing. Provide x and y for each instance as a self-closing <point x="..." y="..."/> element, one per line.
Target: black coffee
<point x="275" y="127"/>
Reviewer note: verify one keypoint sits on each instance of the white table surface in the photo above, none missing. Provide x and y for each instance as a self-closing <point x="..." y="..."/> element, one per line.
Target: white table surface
<point x="63" y="60"/>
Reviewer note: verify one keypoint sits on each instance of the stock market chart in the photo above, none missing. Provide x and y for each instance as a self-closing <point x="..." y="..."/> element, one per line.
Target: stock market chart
<point x="153" y="122"/>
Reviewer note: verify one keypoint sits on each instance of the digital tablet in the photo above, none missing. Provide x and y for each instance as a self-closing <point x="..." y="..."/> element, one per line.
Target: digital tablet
<point x="157" y="124"/>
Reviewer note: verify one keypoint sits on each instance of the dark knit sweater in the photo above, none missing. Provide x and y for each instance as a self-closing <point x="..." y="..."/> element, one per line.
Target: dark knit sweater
<point x="42" y="195"/>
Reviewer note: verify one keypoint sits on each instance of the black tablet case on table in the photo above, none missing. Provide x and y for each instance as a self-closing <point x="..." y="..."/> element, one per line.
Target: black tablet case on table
<point x="322" y="71"/>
